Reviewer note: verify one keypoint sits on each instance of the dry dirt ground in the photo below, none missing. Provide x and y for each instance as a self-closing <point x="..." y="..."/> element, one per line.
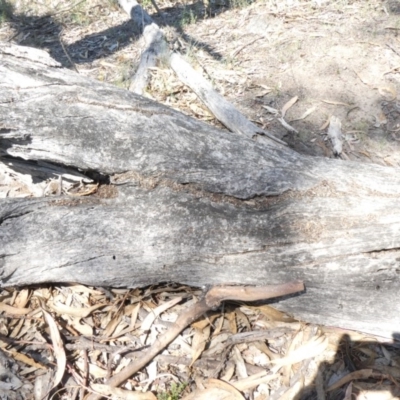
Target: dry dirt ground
<point x="335" y="58"/>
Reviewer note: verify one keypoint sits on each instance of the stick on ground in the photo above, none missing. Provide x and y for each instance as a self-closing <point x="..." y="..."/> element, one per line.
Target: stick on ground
<point x="211" y="300"/>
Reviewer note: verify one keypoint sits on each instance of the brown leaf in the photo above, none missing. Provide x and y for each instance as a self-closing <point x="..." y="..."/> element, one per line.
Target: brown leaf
<point x="305" y="114"/>
<point x="272" y="314"/>
<point x="254" y="380"/>
<point x="75" y="312"/>
<point x="150" y="318"/>
<point x="360" y="374"/>
<point x="292" y="391"/>
<point x="202" y="323"/>
<point x="311" y="349"/>
<point x="22" y="298"/>
<point x="288" y="105"/>
<point x="199" y="342"/>
<point x="58" y="346"/>
<point x="13" y="310"/>
<point x="112" y="325"/>
<point x="231" y="317"/>
<point x="25" y="359"/>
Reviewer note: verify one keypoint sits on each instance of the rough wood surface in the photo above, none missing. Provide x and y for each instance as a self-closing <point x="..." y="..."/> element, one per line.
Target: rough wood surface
<point x="157" y="48"/>
<point x="189" y="203"/>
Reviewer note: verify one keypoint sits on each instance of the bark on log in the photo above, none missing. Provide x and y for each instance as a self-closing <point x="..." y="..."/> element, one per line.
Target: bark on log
<point x="189" y="203"/>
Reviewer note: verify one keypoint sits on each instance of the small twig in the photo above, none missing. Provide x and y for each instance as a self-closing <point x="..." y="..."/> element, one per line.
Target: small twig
<point x="210" y="301"/>
<point x="237" y="51"/>
<point x="392" y="48"/>
<point x="66" y="53"/>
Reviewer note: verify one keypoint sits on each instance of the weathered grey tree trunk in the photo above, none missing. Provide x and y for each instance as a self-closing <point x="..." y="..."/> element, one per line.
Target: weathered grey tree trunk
<point x="182" y="201"/>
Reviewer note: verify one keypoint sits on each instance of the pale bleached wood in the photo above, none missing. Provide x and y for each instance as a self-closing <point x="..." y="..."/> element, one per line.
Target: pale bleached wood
<point x="192" y="204"/>
<point x="157" y="48"/>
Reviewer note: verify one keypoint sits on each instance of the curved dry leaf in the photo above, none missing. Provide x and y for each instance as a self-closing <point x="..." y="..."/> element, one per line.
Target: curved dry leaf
<point x="58" y="346"/>
<point x="22" y="298"/>
<point x="199" y="342"/>
<point x="202" y="323"/>
<point x="253" y="381"/>
<point x="349" y="391"/>
<point x="14" y="310"/>
<point x="288" y="105"/>
<point x="231" y="317"/>
<point x="287" y="126"/>
<point x="336" y="103"/>
<point x="295" y="343"/>
<point x="387" y="90"/>
<point x="150" y="318"/>
<point x="311" y="349"/>
<point x="121" y="393"/>
<point x="292" y="391"/>
<point x="271" y="110"/>
<point x="25" y="359"/>
<point x="271" y="313"/>
<point x="241" y="370"/>
<point x="75" y="312"/>
<point x="360" y="374"/>
<point x="94" y="370"/>
<point x="112" y="324"/>
<point x="362" y="79"/>
<point x="218" y="384"/>
<point x="83" y="329"/>
<point x="305" y="114"/>
<point x="325" y="124"/>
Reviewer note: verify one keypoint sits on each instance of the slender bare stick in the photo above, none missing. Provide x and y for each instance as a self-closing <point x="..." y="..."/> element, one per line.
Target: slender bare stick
<point x="211" y="300"/>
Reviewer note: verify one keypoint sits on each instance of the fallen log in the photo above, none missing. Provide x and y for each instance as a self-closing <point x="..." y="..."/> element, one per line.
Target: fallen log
<point x="182" y="201"/>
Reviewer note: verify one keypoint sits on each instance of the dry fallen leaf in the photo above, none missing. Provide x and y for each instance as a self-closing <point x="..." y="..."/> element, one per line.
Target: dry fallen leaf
<point x="25" y="359"/>
<point x="199" y="342"/>
<point x="360" y="374"/>
<point x="288" y="105"/>
<point x="309" y="350"/>
<point x="305" y="114"/>
<point x="271" y="110"/>
<point x="254" y="380"/>
<point x="94" y="370"/>
<point x="153" y="314"/>
<point x="336" y="103"/>
<point x="13" y="310"/>
<point x="121" y="393"/>
<point x="349" y="390"/>
<point x="22" y="298"/>
<point x="293" y="391"/>
<point x="287" y="126"/>
<point x="58" y="346"/>
<point x="387" y="91"/>
<point x="73" y="311"/>
<point x="219" y="384"/>
<point x="112" y="324"/>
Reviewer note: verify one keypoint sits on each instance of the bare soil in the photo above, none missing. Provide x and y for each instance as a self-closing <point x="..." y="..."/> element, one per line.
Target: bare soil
<point x="339" y="58"/>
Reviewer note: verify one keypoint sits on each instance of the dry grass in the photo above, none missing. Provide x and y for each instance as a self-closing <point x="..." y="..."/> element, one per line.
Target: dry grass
<point x="339" y="58"/>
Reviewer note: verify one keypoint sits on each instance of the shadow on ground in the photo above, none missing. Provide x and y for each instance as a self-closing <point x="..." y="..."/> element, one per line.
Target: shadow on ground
<point x="362" y="370"/>
<point x="45" y="32"/>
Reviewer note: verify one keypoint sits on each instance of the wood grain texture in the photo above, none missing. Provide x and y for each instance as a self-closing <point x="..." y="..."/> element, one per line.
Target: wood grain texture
<point x="192" y="204"/>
